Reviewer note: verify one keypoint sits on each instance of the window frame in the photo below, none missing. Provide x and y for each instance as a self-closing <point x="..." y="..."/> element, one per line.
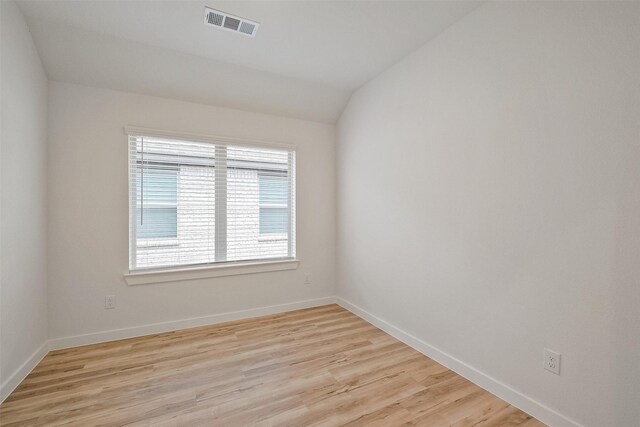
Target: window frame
<point x="218" y="268"/>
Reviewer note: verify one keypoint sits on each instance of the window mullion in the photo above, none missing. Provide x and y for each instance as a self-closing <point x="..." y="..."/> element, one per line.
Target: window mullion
<point x="220" y="188"/>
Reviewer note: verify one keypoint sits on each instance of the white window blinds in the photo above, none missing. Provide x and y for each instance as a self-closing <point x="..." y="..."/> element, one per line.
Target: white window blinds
<point x="194" y="203"/>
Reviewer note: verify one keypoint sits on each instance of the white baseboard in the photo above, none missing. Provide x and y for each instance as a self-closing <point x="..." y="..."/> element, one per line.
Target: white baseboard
<point x="99" y="337"/>
<point x="21" y="373"/>
<point x="155" y="328"/>
<point x="503" y="391"/>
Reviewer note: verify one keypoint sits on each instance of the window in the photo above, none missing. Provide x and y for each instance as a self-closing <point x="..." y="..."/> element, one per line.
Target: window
<point x="274" y="195"/>
<point x="195" y="203"/>
<point x="157" y="215"/>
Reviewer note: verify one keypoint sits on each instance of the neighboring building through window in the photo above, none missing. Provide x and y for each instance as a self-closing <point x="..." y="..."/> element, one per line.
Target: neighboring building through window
<point x="194" y="203"/>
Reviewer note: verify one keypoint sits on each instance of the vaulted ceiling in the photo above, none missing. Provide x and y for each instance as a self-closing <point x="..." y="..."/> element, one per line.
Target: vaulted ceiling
<point x="305" y="61"/>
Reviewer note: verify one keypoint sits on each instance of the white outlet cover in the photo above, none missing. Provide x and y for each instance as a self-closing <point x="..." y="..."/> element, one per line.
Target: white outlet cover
<point x="109" y="302"/>
<point x="552" y="361"/>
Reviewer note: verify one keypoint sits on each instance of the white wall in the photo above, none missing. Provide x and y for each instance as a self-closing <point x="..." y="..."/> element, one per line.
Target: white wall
<point x="489" y="200"/>
<point x="88" y="212"/>
<point x="23" y="319"/>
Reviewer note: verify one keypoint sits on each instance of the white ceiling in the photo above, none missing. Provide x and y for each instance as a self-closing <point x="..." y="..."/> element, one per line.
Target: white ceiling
<point x="305" y="61"/>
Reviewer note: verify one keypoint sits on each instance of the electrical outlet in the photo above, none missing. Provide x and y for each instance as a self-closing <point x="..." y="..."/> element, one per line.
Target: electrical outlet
<point x="552" y="361"/>
<point x="109" y="302"/>
<point x="307" y="279"/>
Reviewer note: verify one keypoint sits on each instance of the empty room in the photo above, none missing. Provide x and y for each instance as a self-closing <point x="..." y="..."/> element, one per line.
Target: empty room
<point x="319" y="213"/>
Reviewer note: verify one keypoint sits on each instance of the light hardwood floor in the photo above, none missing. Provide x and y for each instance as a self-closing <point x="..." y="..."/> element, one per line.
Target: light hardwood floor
<point x="319" y="366"/>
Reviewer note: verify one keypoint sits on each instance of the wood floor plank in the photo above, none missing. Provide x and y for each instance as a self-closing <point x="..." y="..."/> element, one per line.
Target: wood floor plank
<point x="321" y="366"/>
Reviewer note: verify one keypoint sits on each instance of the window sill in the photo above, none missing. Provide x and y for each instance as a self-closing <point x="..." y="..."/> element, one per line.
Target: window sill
<point x="144" y="277"/>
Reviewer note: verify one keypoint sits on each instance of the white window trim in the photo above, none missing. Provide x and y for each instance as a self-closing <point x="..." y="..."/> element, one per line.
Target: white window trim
<point x="143" y="277"/>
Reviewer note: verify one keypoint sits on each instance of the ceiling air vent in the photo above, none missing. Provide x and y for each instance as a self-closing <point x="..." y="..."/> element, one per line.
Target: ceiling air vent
<point x="215" y="18"/>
